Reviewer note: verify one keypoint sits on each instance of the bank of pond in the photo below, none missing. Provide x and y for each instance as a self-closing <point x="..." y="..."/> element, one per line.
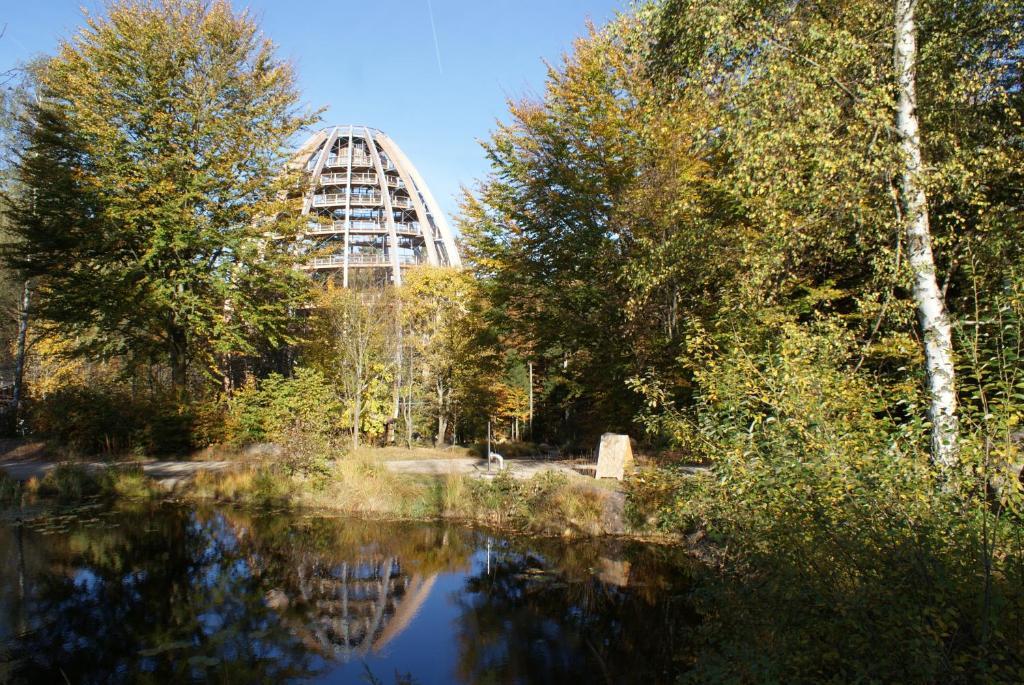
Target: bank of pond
<point x="109" y="578"/>
<point x="158" y="591"/>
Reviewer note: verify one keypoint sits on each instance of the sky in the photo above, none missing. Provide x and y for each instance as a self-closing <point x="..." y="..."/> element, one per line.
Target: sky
<point x="435" y="75"/>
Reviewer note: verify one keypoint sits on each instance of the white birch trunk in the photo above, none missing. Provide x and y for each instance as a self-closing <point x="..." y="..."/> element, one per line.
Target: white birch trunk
<point x="931" y="310"/>
<point x="442" y="412"/>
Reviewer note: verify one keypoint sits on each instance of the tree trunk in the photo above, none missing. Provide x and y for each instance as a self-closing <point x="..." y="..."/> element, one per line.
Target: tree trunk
<point x="178" y="353"/>
<point x="357" y="409"/>
<point x="530" y="424"/>
<point x="407" y="405"/>
<point x="442" y="413"/>
<point x="931" y="310"/>
<point x="19" y="362"/>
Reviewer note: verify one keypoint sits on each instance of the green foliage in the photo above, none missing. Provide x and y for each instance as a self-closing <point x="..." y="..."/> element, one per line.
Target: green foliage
<point x="302" y="414"/>
<point x="657" y="498"/>
<point x="829" y="528"/>
<point x="150" y="167"/>
<point x="450" y="354"/>
<point x="356" y="331"/>
<point x="273" y="408"/>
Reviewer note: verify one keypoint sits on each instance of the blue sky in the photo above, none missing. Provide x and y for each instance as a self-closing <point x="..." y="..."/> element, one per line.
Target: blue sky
<point x="375" y="62"/>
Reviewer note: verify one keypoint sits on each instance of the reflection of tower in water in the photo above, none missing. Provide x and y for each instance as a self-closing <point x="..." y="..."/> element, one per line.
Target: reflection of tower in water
<point x="350" y="609"/>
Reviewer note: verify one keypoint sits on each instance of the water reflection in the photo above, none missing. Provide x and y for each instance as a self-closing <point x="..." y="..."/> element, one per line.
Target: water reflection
<point x="163" y="593"/>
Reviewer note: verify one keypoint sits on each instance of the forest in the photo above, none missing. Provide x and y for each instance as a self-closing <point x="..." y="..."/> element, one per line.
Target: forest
<point x="779" y="239"/>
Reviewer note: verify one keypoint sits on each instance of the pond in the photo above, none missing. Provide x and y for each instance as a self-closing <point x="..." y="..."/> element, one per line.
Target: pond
<point x="163" y="592"/>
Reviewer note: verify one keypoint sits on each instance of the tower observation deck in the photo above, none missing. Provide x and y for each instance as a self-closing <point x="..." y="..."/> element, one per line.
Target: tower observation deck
<point x="368" y="209"/>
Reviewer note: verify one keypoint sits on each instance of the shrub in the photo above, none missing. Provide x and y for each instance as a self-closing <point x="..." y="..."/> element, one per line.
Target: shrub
<point x="106" y="419"/>
<point x="657" y="499"/>
<point x="302" y="414"/>
<point x="834" y="529"/>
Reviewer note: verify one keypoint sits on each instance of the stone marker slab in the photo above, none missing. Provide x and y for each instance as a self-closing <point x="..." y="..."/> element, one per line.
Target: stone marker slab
<point x="614" y="456"/>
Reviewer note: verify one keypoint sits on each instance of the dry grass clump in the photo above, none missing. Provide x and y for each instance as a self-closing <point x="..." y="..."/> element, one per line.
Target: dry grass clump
<point x="366" y="486"/>
<point x="129" y="481"/>
<point x="69" y="482"/>
<point x="260" y="484"/>
<point x="548" y="503"/>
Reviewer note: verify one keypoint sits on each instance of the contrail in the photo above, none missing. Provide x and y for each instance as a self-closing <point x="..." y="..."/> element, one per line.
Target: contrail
<point x="433" y="29"/>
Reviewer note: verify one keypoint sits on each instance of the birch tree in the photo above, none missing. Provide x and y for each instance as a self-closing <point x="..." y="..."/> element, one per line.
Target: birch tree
<point x="931" y="309"/>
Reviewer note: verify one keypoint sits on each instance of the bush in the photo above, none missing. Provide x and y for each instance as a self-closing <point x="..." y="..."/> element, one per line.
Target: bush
<point x="657" y="499"/>
<point x="302" y="414"/>
<point x="833" y="528"/>
<point x="108" y="420"/>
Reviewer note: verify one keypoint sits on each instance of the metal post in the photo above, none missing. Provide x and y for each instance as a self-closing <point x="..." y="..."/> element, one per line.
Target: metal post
<point x="488" y="445"/>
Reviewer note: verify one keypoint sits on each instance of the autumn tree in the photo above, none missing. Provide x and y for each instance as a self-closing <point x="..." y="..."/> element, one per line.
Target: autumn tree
<point x="153" y="158"/>
<point x="698" y="176"/>
<point x="355" y="346"/>
<point x="443" y="332"/>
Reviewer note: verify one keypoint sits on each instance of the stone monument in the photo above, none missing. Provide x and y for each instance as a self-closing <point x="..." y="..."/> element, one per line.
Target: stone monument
<point x="614" y="456"/>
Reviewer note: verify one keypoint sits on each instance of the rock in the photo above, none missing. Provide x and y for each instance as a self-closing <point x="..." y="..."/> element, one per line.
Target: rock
<point x="262" y="449"/>
<point x="614" y="457"/>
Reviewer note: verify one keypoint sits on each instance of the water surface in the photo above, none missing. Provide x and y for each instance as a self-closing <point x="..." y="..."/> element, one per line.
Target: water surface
<point x="163" y="592"/>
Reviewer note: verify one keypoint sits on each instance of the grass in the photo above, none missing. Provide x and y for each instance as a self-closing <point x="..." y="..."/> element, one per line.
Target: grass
<point x="260" y="485"/>
<point x="10" y="490"/>
<point x="553" y="504"/>
<point x="69" y="482"/>
<point x="362" y="484"/>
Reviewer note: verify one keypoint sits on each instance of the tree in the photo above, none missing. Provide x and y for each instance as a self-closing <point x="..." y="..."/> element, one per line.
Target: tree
<point x="15" y="293"/>
<point x="153" y="159"/>
<point x="443" y="331"/>
<point x="935" y="327"/>
<point x="359" y="325"/>
<point x="698" y="176"/>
